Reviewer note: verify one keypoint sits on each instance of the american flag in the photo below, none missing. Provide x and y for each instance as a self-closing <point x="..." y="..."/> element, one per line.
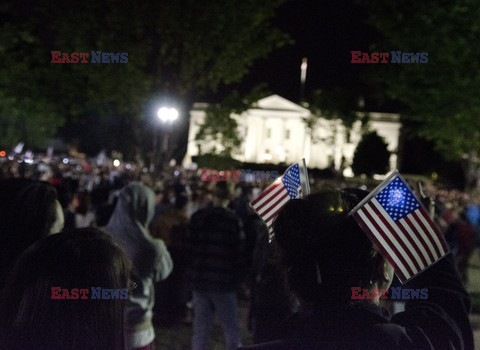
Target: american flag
<point x="270" y="201"/>
<point x="400" y="227"/>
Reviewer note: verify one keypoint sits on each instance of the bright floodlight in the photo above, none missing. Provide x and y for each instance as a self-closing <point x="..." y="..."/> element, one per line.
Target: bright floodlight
<point x="167" y="114"/>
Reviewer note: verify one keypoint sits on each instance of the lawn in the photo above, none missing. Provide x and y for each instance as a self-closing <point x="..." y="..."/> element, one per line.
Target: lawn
<point x="180" y="336"/>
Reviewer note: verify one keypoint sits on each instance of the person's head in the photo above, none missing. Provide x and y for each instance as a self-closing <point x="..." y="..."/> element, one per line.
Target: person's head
<point x="159" y="194"/>
<point x="246" y="190"/>
<point x="138" y="202"/>
<point x="195" y="196"/>
<point x="206" y="198"/>
<point x="83" y="203"/>
<point x="324" y="252"/>
<point x="129" y="225"/>
<point x="82" y="258"/>
<point x="29" y="211"/>
<point x="181" y="201"/>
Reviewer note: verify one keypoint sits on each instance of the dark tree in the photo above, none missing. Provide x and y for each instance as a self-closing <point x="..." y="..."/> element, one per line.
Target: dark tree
<point x="371" y="156"/>
<point x="345" y="104"/>
<point x="441" y="95"/>
<point x="176" y="49"/>
<point x="220" y="126"/>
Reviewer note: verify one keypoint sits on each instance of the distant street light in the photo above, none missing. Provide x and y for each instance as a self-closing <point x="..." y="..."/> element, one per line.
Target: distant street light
<point x="167" y="116"/>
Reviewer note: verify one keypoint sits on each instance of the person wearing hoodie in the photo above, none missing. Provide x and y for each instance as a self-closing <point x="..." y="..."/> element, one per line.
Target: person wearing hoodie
<point x="150" y="259"/>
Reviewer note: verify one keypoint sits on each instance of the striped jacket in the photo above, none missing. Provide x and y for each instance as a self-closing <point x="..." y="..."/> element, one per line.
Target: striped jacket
<point x="215" y="243"/>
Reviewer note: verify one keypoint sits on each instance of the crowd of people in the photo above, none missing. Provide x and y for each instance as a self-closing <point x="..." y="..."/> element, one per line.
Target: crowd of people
<point x="185" y="240"/>
<point x="182" y="246"/>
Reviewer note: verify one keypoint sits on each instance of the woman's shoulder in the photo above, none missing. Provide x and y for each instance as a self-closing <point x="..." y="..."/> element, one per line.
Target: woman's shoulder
<point x="339" y="328"/>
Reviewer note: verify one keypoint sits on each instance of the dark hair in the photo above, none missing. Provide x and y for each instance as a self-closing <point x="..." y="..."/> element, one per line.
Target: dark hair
<point x="315" y="231"/>
<point x="181" y="201"/>
<point x="27" y="213"/>
<point x="82" y="258"/>
<point x="83" y="203"/>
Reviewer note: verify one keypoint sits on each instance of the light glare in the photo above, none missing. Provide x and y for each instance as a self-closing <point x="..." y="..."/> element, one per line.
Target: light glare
<point x="166" y="114"/>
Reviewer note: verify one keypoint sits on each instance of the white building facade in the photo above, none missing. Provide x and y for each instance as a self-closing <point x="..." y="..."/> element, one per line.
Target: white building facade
<point x="275" y="131"/>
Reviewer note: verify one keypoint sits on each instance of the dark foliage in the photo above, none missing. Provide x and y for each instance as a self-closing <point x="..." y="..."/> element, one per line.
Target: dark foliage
<point x="371" y="156"/>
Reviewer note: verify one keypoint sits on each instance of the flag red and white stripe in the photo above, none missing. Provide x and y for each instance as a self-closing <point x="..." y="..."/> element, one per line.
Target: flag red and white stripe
<point x="268" y="204"/>
<point x="275" y="196"/>
<point x="409" y="240"/>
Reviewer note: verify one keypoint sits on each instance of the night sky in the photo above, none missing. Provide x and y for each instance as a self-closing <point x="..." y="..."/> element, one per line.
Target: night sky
<point x="326" y="32"/>
<point x="323" y="31"/>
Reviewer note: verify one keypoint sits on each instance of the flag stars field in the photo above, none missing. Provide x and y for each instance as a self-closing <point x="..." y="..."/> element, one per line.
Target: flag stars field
<point x="396" y="200"/>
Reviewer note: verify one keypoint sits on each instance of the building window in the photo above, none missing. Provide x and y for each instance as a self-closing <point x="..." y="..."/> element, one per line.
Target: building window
<point x="287" y="134"/>
<point x="269" y="133"/>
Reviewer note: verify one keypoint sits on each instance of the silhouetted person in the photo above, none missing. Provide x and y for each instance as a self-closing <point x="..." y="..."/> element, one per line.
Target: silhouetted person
<point x="172" y="294"/>
<point x="31" y="318"/>
<point x="325" y="253"/>
<point x="216" y="242"/>
<point x="29" y="211"/>
<point x="271" y="302"/>
<point x="150" y="258"/>
<point x="460" y="235"/>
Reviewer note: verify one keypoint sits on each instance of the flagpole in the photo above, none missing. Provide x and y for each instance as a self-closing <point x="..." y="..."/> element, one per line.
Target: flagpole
<point x="307" y="180"/>
<point x="303" y="78"/>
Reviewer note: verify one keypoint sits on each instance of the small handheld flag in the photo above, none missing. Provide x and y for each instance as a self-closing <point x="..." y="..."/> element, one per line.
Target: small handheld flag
<point x="400" y="227"/>
<point x="286" y="187"/>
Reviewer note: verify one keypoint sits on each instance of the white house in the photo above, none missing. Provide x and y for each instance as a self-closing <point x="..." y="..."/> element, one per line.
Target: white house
<point x="274" y="131"/>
